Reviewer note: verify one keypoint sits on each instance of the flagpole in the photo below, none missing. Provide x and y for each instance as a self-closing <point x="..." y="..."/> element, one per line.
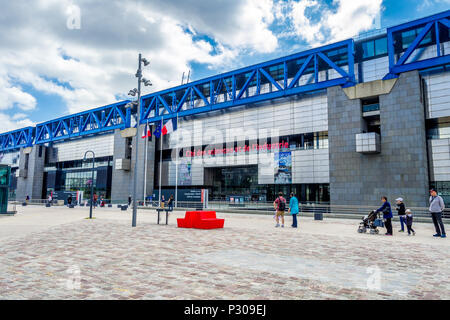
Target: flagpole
<point x="145" y="162"/>
<point x="160" y="160"/>
<point x="176" y="167"/>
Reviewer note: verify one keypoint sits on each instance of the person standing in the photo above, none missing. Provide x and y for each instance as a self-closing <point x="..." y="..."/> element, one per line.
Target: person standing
<point x="437" y="205"/>
<point x="280" y="206"/>
<point x="387" y="215"/>
<point x="401" y="213"/>
<point x="409" y="222"/>
<point x="163" y="201"/>
<point x="95" y="200"/>
<point x="129" y="200"/>
<point x="69" y="199"/>
<point x="293" y="209"/>
<point x="170" y="202"/>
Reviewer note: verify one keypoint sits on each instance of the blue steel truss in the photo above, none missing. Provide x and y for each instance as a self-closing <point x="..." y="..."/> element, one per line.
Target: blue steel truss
<point x="17" y="139"/>
<point x="429" y="25"/>
<point x="310" y="70"/>
<point x="114" y="116"/>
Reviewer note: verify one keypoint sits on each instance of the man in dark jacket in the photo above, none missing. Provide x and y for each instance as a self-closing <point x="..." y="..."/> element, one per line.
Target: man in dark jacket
<point x="387" y="215"/>
<point x="401" y="213"/>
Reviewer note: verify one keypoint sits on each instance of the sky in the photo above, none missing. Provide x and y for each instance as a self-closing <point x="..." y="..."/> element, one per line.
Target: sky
<point x="59" y="57"/>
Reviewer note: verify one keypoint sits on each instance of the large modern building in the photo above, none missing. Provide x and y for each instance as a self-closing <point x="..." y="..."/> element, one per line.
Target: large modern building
<point x="345" y="123"/>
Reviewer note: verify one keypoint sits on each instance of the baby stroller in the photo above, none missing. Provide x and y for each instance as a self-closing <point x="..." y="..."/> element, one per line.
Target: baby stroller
<point x="370" y="222"/>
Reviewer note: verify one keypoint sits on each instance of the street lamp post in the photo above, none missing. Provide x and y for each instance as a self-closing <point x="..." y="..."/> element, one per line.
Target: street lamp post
<point x="138" y="118"/>
<point x="92" y="181"/>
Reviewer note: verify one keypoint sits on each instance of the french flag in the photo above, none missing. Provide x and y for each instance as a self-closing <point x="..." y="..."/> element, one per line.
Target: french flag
<point x="169" y="127"/>
<point x="146" y="133"/>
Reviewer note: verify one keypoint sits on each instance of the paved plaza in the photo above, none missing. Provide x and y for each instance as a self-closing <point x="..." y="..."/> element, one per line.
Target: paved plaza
<point x="55" y="253"/>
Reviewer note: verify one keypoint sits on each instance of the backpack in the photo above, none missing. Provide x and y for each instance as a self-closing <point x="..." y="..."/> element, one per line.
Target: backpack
<point x="281" y="205"/>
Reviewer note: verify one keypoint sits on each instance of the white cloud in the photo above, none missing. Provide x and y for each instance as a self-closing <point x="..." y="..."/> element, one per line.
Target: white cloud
<point x="91" y="66"/>
<point x="13" y="96"/>
<point x="9" y="123"/>
<point x="352" y="17"/>
<point x="317" y="23"/>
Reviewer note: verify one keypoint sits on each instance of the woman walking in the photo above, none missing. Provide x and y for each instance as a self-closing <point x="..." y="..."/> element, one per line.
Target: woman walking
<point x="387" y="215"/>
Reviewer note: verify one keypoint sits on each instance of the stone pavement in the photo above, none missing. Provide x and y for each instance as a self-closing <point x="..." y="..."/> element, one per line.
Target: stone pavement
<point x="54" y="253"/>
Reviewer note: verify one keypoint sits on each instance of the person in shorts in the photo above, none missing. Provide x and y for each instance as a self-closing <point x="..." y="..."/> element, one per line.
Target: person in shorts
<point x="280" y="206"/>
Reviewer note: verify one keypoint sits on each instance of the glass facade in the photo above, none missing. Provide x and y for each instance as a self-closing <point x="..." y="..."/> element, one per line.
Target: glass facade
<point x="242" y="181"/>
<point x="438" y="129"/>
<point x="76" y="175"/>
<point x="443" y="189"/>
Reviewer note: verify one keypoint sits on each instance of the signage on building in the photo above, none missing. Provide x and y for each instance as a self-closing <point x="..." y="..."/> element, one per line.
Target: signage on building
<point x="185" y="173"/>
<point x="283" y="168"/>
<point x="184" y="195"/>
<point x="238" y="149"/>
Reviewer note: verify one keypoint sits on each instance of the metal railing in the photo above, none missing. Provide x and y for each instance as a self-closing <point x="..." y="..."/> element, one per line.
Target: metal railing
<point x="257" y="207"/>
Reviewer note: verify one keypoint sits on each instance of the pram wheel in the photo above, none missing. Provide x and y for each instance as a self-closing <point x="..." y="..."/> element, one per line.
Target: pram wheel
<point x="361" y="229"/>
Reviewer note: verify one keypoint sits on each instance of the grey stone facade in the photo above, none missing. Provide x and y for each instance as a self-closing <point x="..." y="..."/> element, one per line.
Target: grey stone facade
<point x="401" y="169"/>
<point x="33" y="165"/>
<point x="122" y="180"/>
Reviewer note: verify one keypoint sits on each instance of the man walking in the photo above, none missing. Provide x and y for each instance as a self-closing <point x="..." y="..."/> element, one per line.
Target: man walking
<point x="436" y="207"/>
<point x="293" y="209"/>
<point x="401" y="213"/>
<point x="280" y="206"/>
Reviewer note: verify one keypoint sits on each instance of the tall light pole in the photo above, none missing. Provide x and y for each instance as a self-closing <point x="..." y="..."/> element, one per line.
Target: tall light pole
<point x="138" y="120"/>
<point x="92" y="182"/>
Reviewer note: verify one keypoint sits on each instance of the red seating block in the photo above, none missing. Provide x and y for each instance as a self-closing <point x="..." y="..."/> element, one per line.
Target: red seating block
<point x="210" y="224"/>
<point x="200" y="220"/>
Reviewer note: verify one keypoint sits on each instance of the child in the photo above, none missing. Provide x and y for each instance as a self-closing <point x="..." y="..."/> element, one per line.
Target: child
<point x="409" y="221"/>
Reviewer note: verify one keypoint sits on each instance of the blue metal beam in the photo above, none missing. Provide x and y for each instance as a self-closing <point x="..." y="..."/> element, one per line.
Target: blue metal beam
<point x="235" y="86"/>
<point x="428" y="24"/>
<point x="83" y="123"/>
<point x="17" y="139"/>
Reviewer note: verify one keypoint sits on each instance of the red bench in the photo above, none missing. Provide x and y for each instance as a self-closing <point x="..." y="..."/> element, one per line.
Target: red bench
<point x="200" y="220"/>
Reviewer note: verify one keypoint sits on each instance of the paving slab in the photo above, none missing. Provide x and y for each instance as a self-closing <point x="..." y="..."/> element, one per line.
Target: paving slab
<point x="55" y="253"/>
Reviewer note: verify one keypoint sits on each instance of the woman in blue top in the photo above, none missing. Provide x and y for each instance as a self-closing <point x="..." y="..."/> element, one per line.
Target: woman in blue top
<point x="293" y="209"/>
<point x="387" y="215"/>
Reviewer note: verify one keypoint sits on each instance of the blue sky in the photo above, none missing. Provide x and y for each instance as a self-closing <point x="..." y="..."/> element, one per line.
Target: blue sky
<point x="61" y="57"/>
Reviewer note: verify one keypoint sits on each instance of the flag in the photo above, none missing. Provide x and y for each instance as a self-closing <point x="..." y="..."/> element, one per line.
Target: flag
<point x="169" y="127"/>
<point x="146" y="133"/>
<point x="157" y="132"/>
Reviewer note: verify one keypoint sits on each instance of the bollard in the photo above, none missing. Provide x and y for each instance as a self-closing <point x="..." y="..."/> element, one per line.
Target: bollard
<point x="318" y="216"/>
<point x="123" y="208"/>
<point x="48" y="205"/>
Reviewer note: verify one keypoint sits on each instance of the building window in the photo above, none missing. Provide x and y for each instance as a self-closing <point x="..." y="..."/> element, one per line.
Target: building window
<point x="373" y="48"/>
<point x="128" y="147"/>
<point x="369" y="105"/>
<point x="438" y="130"/>
<point x="371" y="114"/>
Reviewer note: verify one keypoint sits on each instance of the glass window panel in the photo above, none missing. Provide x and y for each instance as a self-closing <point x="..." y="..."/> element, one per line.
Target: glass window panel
<point x="381" y="46"/>
<point x="368" y="49"/>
